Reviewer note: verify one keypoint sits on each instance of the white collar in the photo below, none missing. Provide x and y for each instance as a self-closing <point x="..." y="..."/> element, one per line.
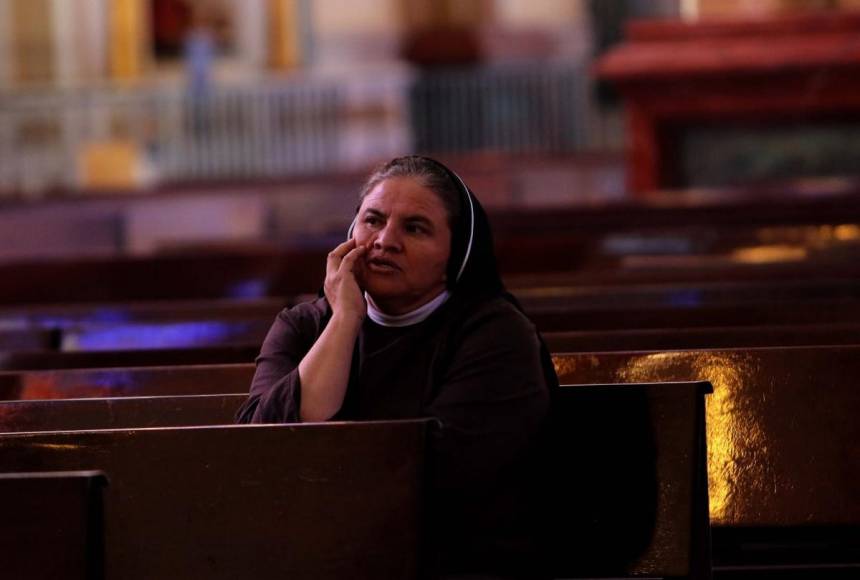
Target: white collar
<point x="408" y="319"/>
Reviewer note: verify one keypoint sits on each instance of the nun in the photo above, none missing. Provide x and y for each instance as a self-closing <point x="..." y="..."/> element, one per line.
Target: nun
<point x="414" y="321"/>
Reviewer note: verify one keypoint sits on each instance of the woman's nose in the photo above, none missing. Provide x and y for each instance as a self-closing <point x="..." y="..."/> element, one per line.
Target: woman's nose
<point x="387" y="238"/>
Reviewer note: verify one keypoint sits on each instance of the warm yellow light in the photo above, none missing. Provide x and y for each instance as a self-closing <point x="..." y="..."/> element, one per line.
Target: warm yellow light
<point x="769" y="254"/>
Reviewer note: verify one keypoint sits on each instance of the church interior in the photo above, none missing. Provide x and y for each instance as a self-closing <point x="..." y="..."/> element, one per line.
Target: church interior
<point x="674" y="192"/>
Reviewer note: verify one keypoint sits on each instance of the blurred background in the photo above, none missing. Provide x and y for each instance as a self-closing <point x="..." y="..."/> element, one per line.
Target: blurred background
<point x="135" y="126"/>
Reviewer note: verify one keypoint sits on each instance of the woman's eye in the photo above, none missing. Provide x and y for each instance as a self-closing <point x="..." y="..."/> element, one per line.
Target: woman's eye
<point x="371" y="220"/>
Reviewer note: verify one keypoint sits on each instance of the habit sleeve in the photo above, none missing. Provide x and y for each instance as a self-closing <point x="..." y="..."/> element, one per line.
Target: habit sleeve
<point x="275" y="391"/>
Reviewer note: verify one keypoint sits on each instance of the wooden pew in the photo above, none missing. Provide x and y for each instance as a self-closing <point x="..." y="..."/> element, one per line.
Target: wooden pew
<point x="166" y="335"/>
<point x="190" y="275"/>
<point x="628" y="482"/>
<point x="703" y="337"/>
<point x="113" y="327"/>
<point x="248" y="501"/>
<point x="688" y="294"/>
<point x="551" y="312"/>
<point x="569" y="241"/>
<point x="782" y="447"/>
<point x="27" y="360"/>
<point x="29" y="339"/>
<point x="52" y="525"/>
<point x="685" y="270"/>
<point x="726" y="208"/>
<point x="65" y="315"/>
<point x="315" y="479"/>
<point x="622" y="317"/>
<point x="168" y="326"/>
<point x="677" y="245"/>
<point x="126" y="382"/>
<point x="118" y="413"/>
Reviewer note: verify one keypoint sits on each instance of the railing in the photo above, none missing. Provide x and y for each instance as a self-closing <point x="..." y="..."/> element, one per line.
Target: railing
<point x="287" y="128"/>
<point x="242" y="132"/>
<point x="545" y="109"/>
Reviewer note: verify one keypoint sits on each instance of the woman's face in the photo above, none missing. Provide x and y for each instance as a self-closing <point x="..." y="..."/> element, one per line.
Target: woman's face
<point x="405" y="228"/>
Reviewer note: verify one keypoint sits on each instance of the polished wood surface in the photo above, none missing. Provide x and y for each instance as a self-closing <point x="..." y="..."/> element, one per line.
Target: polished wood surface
<point x="118" y="413"/>
<point x="105" y="359"/>
<point x="703" y="337"/>
<point x="156" y="381"/>
<point x="782" y="426"/>
<point x="636" y="504"/>
<point x="29" y="339"/>
<point x="52" y="525"/>
<point x="165" y="335"/>
<point x="114" y="310"/>
<point x="164" y="277"/>
<point x="622" y="317"/>
<point x="782" y="455"/>
<point x="297" y="501"/>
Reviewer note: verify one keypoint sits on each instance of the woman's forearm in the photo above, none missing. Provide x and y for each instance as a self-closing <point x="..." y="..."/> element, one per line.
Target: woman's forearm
<point x="324" y="371"/>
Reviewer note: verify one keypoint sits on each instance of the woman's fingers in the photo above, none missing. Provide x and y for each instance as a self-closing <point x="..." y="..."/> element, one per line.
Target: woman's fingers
<point x="336" y="255"/>
<point x="348" y="262"/>
<point x="341" y="286"/>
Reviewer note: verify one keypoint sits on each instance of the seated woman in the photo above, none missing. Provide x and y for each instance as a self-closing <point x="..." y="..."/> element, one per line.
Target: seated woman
<point x="415" y="322"/>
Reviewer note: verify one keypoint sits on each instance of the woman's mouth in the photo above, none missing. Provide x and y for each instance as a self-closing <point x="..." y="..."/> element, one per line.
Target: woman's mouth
<point x="382" y="265"/>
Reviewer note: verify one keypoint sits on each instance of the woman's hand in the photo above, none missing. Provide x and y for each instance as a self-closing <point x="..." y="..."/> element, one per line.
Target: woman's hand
<point x="341" y="286"/>
<point x="324" y="370"/>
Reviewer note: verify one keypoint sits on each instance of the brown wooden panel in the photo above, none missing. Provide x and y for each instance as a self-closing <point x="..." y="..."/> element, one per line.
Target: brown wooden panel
<point x="674" y="270"/>
<point x="782" y="426"/>
<point x="165" y="277"/>
<point x="52" y="525"/>
<point x="71" y="314"/>
<point x="629" y="472"/>
<point x="703" y="337"/>
<point x="29" y="339"/>
<point x="130" y="358"/>
<point x="297" y="501"/>
<point x="118" y="413"/>
<point x="785" y="313"/>
<point x="166" y="334"/>
<point x="126" y="382"/>
<point x="687" y="294"/>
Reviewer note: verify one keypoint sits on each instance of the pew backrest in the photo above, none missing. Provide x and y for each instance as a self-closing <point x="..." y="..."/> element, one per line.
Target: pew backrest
<point x="630" y="477"/>
<point x="702" y="337"/>
<point x="118" y="413"/>
<point x="52" y="525"/>
<point x="782" y="443"/>
<point x="27" y="360"/>
<point x="249" y="501"/>
<point x="126" y="382"/>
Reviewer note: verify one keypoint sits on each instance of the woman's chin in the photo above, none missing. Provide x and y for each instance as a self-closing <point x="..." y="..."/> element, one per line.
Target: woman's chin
<point x="382" y="289"/>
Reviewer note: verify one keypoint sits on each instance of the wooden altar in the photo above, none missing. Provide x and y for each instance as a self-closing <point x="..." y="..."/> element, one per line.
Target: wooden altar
<point x="764" y="74"/>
